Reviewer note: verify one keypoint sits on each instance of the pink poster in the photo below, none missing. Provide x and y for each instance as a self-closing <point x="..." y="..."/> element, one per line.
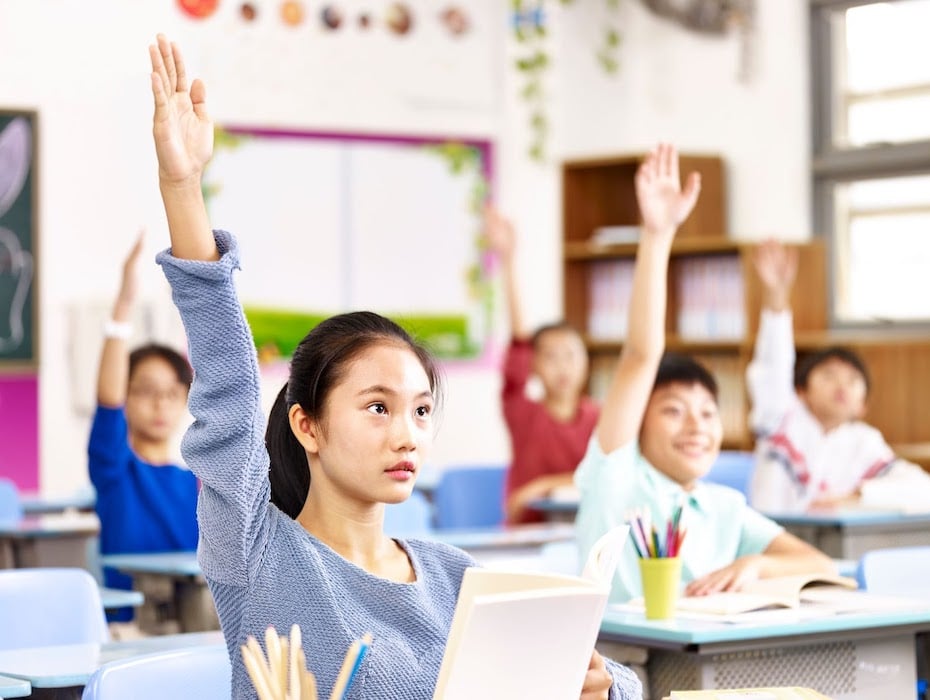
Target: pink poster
<point x="19" y="430"/>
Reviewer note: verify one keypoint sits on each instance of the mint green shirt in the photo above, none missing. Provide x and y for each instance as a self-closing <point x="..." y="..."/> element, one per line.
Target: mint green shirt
<point x="720" y="526"/>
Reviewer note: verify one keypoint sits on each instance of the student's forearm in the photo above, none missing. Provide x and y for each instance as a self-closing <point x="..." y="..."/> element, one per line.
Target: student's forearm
<point x="113" y="372"/>
<point x="514" y="306"/>
<point x="646" y="338"/>
<point x="777" y="298"/>
<point x="188" y="223"/>
<point x="537" y="488"/>
<point x="787" y="564"/>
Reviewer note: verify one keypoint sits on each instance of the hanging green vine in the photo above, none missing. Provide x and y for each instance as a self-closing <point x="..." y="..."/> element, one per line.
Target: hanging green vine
<point x="529" y="30"/>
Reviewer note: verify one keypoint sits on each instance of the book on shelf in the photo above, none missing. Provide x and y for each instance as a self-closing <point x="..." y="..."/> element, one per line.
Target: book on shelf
<point x="794" y="693"/>
<point x="611" y="235"/>
<point x="710" y="292"/>
<point x="610" y="285"/>
<point x="526" y="634"/>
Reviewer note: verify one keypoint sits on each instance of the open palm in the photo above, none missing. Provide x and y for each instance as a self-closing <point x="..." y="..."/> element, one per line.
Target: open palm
<point x="182" y="129"/>
<point x="663" y="205"/>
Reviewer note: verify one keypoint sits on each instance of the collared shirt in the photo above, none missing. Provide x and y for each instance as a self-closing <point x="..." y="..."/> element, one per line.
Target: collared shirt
<point x="720" y="526"/>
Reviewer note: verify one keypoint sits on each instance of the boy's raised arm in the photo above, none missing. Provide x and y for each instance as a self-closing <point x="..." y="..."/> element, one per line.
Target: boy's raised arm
<point x="663" y="205"/>
<point x="183" y="134"/>
<point x="113" y="372"/>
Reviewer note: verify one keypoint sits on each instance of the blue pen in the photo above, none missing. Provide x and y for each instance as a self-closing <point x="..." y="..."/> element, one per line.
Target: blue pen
<point x="362" y="650"/>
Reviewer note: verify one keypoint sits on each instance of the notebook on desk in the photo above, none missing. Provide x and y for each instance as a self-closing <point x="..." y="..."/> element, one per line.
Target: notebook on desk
<point x="523" y="634"/>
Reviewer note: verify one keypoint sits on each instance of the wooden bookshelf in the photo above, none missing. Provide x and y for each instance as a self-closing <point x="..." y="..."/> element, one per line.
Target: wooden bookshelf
<point x="600" y="192"/>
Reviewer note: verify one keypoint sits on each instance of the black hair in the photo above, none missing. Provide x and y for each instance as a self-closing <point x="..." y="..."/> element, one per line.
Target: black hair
<point x="558" y="326"/>
<point x="809" y="363"/>
<point x="675" y="368"/>
<point x="178" y="362"/>
<point x="319" y="363"/>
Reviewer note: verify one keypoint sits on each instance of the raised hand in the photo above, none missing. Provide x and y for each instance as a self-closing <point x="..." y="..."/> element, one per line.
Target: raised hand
<point x="129" y="286"/>
<point x="663" y="205"/>
<point x="777" y="267"/>
<point x="500" y="233"/>
<point x="182" y="129"/>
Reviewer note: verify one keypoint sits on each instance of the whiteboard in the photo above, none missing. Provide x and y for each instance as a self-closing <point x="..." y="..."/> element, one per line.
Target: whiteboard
<point x="329" y="223"/>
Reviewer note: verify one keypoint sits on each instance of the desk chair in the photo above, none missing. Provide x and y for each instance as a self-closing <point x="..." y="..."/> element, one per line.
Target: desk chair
<point x="901" y="571"/>
<point x="49" y="606"/>
<point x="732" y="468"/>
<point x="408" y="518"/>
<point x="470" y="497"/>
<point x="196" y="673"/>
<point x="11" y="508"/>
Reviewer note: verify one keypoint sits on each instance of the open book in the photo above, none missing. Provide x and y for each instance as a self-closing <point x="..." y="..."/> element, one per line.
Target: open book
<point x="749" y="694"/>
<point x="524" y="634"/>
<point x="767" y="593"/>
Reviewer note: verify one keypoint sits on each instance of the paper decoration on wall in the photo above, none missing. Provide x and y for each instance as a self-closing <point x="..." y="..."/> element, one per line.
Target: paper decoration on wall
<point x="331" y="16"/>
<point x="247" y="11"/>
<point x="455" y="20"/>
<point x="198" y="9"/>
<point x="399" y="18"/>
<point x="292" y="12"/>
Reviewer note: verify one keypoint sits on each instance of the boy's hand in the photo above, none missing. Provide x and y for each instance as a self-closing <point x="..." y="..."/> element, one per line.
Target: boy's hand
<point x="729" y="578"/>
<point x="183" y="132"/>
<point x="129" y="286"/>
<point x="663" y="205"/>
<point x="777" y="267"/>
<point x="597" y="681"/>
<point x="502" y="238"/>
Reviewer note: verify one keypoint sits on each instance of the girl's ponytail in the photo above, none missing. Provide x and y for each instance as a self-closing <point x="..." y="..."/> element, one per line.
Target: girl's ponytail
<point x="289" y="473"/>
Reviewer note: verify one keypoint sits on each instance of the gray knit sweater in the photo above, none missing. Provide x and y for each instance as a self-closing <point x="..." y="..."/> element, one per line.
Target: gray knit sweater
<point x="262" y="567"/>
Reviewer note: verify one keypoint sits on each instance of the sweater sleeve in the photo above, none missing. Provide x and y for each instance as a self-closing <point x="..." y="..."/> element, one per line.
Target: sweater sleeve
<point x="627" y="685"/>
<point x="225" y="445"/>
<point x="770" y="375"/>
<point x="107" y="447"/>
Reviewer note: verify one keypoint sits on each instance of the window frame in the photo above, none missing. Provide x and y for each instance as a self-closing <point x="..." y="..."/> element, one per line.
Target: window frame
<point x="831" y="166"/>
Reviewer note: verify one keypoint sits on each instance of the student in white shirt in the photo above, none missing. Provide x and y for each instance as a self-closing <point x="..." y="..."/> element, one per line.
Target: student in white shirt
<point x="813" y="450"/>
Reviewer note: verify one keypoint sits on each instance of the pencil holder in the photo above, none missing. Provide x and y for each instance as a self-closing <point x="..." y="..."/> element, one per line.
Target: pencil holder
<point x="661" y="578"/>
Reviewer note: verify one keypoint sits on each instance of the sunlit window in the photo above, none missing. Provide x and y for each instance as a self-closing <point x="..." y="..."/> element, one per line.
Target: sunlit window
<point x="870" y="65"/>
<point x="882" y="73"/>
<point x="883" y="250"/>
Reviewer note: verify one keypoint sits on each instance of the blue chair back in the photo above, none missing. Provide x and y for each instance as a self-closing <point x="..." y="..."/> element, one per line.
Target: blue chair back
<point x="411" y="517"/>
<point x="195" y="673"/>
<point x="49" y="606"/>
<point x="470" y="497"/>
<point x="732" y="468"/>
<point x="11" y="509"/>
<point x="898" y="571"/>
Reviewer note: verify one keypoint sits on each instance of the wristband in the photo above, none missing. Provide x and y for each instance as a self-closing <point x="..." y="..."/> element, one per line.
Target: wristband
<point x="117" y="329"/>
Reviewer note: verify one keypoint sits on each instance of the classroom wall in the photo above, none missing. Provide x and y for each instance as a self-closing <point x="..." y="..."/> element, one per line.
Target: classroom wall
<point x="684" y="87"/>
<point x="97" y="180"/>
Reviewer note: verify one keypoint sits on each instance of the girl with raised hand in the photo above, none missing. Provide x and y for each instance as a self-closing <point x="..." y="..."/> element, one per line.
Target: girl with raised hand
<point x="291" y="522"/>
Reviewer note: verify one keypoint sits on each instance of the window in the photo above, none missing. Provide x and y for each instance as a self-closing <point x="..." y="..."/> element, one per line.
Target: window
<point x="871" y="167"/>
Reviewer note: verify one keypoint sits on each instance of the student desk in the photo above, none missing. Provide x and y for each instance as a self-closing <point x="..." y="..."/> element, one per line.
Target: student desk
<point x="850" y="534"/>
<point x="556" y="509"/>
<point x="62" y="671"/>
<point x="176" y="594"/>
<point x="47" y="540"/>
<point x="491" y="545"/>
<point x="14" y="687"/>
<point x="113" y="598"/>
<point x="866" y="656"/>
<point x="37" y="504"/>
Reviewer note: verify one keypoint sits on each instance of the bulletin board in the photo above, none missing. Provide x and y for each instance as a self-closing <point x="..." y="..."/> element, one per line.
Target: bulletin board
<point x="18" y="211"/>
<point x="329" y="223"/>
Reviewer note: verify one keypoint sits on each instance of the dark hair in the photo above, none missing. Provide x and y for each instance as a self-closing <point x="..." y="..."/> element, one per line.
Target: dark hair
<point x="178" y="362"/>
<point x="809" y="363"/>
<point x="558" y="326"/>
<point x="318" y="364"/>
<point x="675" y="368"/>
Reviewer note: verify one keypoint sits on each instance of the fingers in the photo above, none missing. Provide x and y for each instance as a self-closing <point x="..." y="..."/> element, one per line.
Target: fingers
<point x="167" y="56"/>
<point x="691" y="192"/>
<point x="179" y="67"/>
<point x="199" y="98"/>
<point x="597" y="680"/>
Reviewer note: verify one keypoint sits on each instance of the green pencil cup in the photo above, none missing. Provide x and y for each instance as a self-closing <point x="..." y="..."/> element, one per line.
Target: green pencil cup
<point x="661" y="580"/>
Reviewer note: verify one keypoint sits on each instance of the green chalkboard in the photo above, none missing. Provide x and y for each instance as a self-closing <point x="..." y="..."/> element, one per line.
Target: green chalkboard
<point x="18" y="209"/>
